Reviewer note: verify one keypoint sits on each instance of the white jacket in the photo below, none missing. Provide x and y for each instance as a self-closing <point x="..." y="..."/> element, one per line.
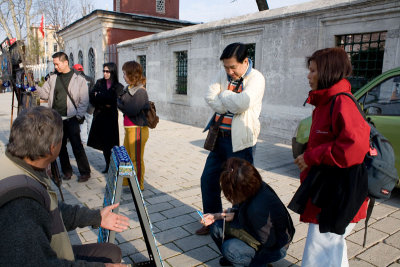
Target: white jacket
<point x="246" y="106"/>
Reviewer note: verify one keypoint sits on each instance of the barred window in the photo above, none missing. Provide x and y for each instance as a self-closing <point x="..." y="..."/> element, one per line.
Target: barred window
<point x="92" y="63"/>
<point x="160" y="6"/>
<point x="71" y="60"/>
<point x="80" y="57"/>
<point x="55" y="47"/>
<point x="251" y="53"/>
<point x="365" y="51"/>
<point x="181" y="72"/>
<point x="142" y="62"/>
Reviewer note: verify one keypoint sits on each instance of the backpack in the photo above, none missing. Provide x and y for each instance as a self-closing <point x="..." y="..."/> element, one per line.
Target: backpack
<point x="380" y="163"/>
<point x="151" y="116"/>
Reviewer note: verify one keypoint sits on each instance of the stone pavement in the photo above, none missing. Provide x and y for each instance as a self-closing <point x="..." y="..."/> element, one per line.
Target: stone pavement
<point x="174" y="160"/>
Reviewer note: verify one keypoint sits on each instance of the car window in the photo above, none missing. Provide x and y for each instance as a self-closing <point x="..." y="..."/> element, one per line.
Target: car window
<point x="383" y="99"/>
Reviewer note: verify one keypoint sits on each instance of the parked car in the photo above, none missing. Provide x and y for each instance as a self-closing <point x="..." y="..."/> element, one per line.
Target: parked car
<point x="380" y="100"/>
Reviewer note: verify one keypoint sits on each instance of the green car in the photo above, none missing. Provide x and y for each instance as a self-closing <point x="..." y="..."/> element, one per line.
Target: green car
<point x="380" y="99"/>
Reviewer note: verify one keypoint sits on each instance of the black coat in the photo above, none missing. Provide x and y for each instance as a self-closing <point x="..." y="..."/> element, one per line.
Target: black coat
<point x="104" y="132"/>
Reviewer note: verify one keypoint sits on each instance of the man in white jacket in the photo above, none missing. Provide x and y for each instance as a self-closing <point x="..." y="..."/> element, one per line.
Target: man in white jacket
<point x="237" y="95"/>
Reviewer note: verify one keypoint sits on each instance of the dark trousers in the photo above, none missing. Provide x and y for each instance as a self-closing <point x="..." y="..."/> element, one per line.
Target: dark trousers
<point x="210" y="188"/>
<point x="72" y="133"/>
<point x="98" y="252"/>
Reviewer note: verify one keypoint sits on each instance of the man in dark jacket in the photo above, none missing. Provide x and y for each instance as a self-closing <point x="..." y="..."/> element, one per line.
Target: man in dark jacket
<point x="67" y="92"/>
<point x="33" y="225"/>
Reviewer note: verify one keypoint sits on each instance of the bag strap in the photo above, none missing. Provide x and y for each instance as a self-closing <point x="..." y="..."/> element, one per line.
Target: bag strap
<point x="372" y="199"/>
<point x="66" y="90"/>
<point x="369" y="212"/>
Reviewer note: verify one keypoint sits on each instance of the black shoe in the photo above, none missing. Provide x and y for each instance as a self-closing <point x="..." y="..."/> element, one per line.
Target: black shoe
<point x="83" y="178"/>
<point x="67" y="176"/>
<point x="224" y="262"/>
<point x="105" y="170"/>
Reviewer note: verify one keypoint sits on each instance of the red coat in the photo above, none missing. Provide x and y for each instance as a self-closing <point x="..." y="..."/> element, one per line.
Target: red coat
<point x="344" y="147"/>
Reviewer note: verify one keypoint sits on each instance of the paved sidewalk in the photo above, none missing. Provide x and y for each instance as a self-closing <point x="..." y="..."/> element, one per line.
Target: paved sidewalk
<point x="174" y="160"/>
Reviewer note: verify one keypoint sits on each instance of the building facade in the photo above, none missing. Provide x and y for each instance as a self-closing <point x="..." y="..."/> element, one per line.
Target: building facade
<point x="91" y="40"/>
<point x="181" y="63"/>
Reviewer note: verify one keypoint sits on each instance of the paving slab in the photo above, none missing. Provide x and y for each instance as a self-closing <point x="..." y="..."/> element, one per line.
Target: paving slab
<point x="174" y="160"/>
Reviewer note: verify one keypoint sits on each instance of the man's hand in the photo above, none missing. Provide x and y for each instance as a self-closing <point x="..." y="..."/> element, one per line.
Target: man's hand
<point x="113" y="221"/>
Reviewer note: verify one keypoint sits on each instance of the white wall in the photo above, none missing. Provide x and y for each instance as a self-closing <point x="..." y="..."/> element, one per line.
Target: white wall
<point x="284" y="38"/>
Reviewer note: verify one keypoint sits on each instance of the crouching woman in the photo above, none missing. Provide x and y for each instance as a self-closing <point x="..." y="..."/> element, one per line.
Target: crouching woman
<point x="258" y="228"/>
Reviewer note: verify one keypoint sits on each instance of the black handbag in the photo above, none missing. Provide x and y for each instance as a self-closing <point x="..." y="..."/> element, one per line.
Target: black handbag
<point x="212" y="135"/>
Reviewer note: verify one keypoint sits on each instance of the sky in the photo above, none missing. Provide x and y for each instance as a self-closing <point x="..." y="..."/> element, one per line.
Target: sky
<point x="205" y="10"/>
<point x="211" y="10"/>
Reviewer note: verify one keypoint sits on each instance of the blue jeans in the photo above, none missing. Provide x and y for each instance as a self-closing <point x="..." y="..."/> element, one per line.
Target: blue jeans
<point x="241" y="254"/>
<point x="233" y="249"/>
<point x="210" y="188"/>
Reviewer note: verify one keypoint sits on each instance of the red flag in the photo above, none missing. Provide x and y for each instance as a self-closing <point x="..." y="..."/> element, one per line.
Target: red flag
<point x="41" y="27"/>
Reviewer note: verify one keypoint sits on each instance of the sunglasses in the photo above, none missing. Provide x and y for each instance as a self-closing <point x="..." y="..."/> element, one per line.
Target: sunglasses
<point x="106" y="71"/>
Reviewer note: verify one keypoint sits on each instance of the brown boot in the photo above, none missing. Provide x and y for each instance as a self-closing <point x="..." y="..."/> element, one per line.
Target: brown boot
<point x="204" y="230"/>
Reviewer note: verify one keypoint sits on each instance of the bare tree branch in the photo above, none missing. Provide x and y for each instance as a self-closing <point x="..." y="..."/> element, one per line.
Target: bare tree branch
<point x="14" y="19"/>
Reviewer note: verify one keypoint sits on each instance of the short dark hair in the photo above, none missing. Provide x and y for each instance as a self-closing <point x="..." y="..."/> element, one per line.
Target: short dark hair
<point x="239" y="180"/>
<point x="34" y="131"/>
<point x="237" y="50"/>
<point x="134" y="72"/>
<point x="112" y="67"/>
<point x="61" y="56"/>
<point x="333" y="65"/>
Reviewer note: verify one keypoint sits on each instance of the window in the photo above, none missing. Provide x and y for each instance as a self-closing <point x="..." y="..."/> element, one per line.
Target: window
<point x="142" y="62"/>
<point x="160" y="6"/>
<point x="92" y="63"/>
<point x="71" y="60"/>
<point x="55" y="48"/>
<point x="383" y="99"/>
<point x="251" y="53"/>
<point x="181" y="72"/>
<point x="80" y="57"/>
<point x="366" y="54"/>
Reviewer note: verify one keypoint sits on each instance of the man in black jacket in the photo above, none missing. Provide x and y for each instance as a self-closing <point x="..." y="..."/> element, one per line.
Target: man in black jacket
<point x="33" y="225"/>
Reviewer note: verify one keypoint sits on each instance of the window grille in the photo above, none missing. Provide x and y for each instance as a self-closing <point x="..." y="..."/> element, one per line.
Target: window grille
<point x="55" y="48"/>
<point x="92" y="63"/>
<point x="142" y="62"/>
<point x="251" y="53"/>
<point x="181" y="72"/>
<point x="365" y="51"/>
<point x="160" y="6"/>
<point x="80" y="57"/>
<point x="71" y="60"/>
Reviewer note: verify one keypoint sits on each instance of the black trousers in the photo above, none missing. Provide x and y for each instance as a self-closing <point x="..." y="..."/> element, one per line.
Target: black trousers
<point x="98" y="252"/>
<point x="72" y="133"/>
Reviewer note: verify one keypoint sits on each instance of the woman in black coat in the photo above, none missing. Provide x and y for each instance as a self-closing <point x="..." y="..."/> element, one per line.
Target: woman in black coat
<point x="104" y="134"/>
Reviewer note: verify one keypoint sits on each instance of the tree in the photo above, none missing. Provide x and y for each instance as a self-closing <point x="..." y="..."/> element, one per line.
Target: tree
<point x="58" y="14"/>
<point x="86" y="7"/>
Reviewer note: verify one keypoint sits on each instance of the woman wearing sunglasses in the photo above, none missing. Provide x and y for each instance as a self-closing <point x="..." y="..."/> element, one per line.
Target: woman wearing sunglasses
<point x="104" y="132"/>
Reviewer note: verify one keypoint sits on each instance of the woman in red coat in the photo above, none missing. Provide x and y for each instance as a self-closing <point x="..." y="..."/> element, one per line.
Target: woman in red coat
<point x="340" y="140"/>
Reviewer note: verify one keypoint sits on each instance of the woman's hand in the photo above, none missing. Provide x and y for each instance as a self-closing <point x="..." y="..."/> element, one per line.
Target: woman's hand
<point x="228" y="215"/>
<point x="209" y="218"/>
<point x="299" y="161"/>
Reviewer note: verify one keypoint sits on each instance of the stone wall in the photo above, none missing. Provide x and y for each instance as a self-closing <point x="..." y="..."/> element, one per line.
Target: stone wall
<point x="284" y="38"/>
